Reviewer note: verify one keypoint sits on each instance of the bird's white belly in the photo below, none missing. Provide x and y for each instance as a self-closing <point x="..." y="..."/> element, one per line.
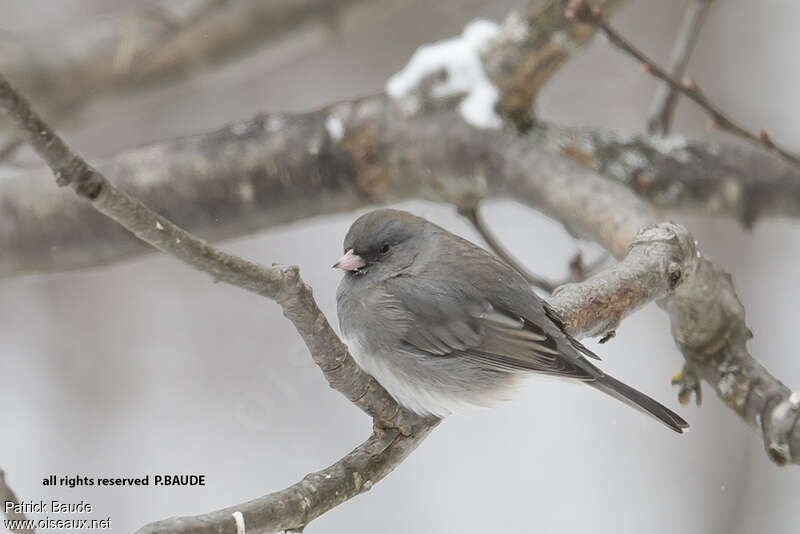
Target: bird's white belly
<point x="419" y="396"/>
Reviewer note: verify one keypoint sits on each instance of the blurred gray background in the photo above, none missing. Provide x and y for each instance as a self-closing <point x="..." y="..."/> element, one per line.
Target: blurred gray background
<point x="147" y="367"/>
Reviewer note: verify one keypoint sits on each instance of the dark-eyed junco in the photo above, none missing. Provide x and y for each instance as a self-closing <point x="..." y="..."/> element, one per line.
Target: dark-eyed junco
<point x="442" y="324"/>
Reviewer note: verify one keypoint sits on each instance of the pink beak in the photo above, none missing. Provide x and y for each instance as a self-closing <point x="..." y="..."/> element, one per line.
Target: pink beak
<point x="350" y="261"/>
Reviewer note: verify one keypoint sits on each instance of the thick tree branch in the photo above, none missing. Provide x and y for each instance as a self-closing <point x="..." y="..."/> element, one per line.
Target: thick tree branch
<point x="8" y="495"/>
<point x="580" y="11"/>
<point x="682" y="175"/>
<point x="650" y="270"/>
<point x="664" y="101"/>
<point x="278" y="168"/>
<point x="708" y="324"/>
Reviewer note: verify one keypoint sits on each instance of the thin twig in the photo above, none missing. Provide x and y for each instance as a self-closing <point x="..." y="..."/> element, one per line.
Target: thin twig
<point x="470" y="212"/>
<point x="578" y="270"/>
<point x="7" y="495"/>
<point x="580" y="11"/>
<point x="665" y="100"/>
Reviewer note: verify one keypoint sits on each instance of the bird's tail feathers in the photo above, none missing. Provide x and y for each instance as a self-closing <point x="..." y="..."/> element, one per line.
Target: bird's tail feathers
<point x="640" y="401"/>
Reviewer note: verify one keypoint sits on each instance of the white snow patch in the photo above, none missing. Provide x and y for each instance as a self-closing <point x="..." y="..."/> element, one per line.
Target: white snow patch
<point x="335" y="127"/>
<point x="460" y="58"/>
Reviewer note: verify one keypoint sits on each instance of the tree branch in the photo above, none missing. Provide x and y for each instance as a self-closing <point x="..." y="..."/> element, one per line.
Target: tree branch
<point x="8" y="495"/>
<point x="529" y="50"/>
<point x="149" y="46"/>
<point x="468" y="208"/>
<point x="664" y="101"/>
<point x="708" y="324"/>
<point x="397" y="431"/>
<point x="580" y="11"/>
<point x="678" y="174"/>
<point x="708" y="320"/>
<point x="292" y="508"/>
<point x="278" y="168"/>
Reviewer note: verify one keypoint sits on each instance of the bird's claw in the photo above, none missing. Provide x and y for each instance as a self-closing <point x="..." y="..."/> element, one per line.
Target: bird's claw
<point x="608" y="336"/>
<point x="688" y="383"/>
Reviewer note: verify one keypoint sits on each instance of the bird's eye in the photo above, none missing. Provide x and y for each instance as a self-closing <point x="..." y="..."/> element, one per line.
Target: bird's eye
<point x="384" y="248"/>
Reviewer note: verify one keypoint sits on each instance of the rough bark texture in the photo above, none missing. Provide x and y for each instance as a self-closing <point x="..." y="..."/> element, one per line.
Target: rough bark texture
<point x="276" y="168"/>
<point x="678" y="174"/>
<point x="707" y="322"/>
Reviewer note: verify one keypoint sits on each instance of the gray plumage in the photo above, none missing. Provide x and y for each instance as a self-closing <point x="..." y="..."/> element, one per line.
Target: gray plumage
<point x="442" y="324"/>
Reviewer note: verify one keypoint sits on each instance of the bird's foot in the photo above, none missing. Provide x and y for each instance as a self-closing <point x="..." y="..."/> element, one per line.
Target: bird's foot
<point x="688" y="382"/>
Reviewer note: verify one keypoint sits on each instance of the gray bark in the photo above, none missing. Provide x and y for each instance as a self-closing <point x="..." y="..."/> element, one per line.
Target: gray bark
<point x="276" y="168"/>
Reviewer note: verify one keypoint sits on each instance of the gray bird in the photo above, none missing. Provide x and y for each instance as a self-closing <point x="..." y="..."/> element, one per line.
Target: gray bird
<point x="442" y="324"/>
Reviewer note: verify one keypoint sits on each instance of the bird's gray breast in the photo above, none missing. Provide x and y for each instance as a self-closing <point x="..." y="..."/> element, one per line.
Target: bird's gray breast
<point x="369" y="318"/>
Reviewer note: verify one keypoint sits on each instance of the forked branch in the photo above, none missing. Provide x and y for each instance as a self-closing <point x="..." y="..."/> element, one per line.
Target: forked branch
<point x="580" y="11"/>
<point x="662" y="108"/>
<point x="396" y="431"/>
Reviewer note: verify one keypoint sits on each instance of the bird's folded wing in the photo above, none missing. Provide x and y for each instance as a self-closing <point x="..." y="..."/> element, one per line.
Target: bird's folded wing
<point x="493" y="337"/>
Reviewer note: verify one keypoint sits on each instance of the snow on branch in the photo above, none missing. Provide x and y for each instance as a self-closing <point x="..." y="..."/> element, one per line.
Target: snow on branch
<point x="460" y="60"/>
